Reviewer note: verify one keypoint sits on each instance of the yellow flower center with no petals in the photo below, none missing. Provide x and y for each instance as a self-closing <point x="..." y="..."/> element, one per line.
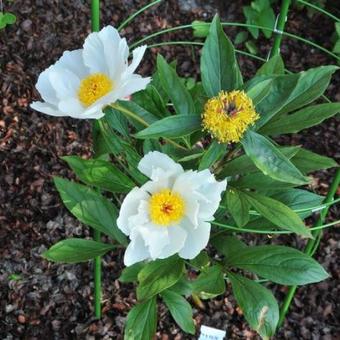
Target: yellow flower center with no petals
<point x="227" y="116"/>
<point x="93" y="87"/>
<point x="166" y="207"/>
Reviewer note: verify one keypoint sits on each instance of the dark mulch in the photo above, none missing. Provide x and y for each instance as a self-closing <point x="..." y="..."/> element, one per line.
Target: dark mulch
<point x="38" y="298"/>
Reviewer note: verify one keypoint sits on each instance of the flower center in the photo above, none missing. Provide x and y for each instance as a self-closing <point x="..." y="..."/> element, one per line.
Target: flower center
<point x="166" y="207"/>
<point x="93" y="87"/>
<point x="227" y="116"/>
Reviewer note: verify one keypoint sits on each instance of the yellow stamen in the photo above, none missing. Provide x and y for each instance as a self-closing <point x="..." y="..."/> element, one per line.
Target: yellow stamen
<point x="227" y="116"/>
<point x="93" y="87"/>
<point x="166" y="207"/>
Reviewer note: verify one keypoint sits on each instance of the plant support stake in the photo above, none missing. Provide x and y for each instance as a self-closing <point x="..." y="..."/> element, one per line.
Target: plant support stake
<point x="279" y="28"/>
<point x="95" y="15"/>
<point x="312" y="244"/>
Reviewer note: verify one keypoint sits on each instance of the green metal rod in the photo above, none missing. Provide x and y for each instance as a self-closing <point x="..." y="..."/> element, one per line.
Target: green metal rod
<point x="236" y="24"/>
<point x="131" y="17"/>
<point x="281" y="21"/>
<point x="311" y="245"/>
<point x="321" y="10"/>
<point x="95" y="26"/>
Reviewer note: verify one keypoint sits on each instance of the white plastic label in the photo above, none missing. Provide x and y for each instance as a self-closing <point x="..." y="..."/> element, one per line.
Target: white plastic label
<point x="209" y="333"/>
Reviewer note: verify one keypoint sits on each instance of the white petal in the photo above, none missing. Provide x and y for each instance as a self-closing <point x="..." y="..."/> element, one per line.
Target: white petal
<point x="72" y="107"/>
<point x="93" y="54"/>
<point x="210" y="191"/>
<point x="196" y="240"/>
<point x="136" y="251"/>
<point x="155" y="163"/>
<point x="45" y="87"/>
<point x="133" y="83"/>
<point x="177" y="237"/>
<point x="64" y="82"/>
<point x="155" y="238"/>
<point x="47" y="109"/>
<point x="138" y="54"/>
<point x="129" y="208"/>
<point x="73" y="61"/>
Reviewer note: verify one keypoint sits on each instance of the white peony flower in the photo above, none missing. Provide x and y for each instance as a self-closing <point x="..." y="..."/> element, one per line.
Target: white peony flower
<point x="82" y="82"/>
<point x="170" y="213"/>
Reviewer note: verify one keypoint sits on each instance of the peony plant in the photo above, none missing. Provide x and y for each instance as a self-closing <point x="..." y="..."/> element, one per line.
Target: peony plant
<point x="165" y="150"/>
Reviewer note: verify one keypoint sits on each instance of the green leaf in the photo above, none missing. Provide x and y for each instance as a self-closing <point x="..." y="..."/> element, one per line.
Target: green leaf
<point x="130" y="274"/>
<point x="219" y="68"/>
<point x="302" y="119"/>
<point x="180" y="310"/>
<point x="299" y="199"/>
<point x="172" y="127"/>
<point x="266" y="19"/>
<point x="241" y="37"/>
<point x="175" y="89"/>
<point x="244" y="165"/>
<point x="75" y="250"/>
<point x="270" y="160"/>
<point x="159" y="275"/>
<point x="200" y="28"/>
<point x="257" y="303"/>
<point x="261" y="183"/>
<point x="151" y="100"/>
<point x="258" y="88"/>
<point x="214" y="153"/>
<point x="182" y="286"/>
<point x="141" y="321"/>
<point x="209" y="283"/>
<point x="278" y="213"/>
<point x="274" y="66"/>
<point x="135" y="113"/>
<point x="238" y="206"/>
<point x="90" y="208"/>
<point x="201" y="260"/>
<point x="290" y="92"/>
<point x="307" y="161"/>
<point x="280" y="264"/>
<point x="251" y="47"/>
<point x="117" y="121"/>
<point x="227" y="244"/>
<point x="99" y="173"/>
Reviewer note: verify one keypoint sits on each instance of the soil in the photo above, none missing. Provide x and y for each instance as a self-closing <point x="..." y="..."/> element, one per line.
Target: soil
<point x="38" y="298"/>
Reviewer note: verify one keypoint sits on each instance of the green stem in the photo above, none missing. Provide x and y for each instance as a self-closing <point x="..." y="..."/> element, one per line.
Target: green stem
<point x="312" y="244"/>
<point x="95" y="26"/>
<point x="281" y="21"/>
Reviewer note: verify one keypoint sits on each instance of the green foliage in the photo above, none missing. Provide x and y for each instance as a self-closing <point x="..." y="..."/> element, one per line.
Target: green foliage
<point x="141" y="322"/>
<point x="90" y="208"/>
<point x="7" y="18"/>
<point x="219" y="67"/>
<point x="180" y="310"/>
<point x="101" y="174"/>
<point x="258" y="304"/>
<point x="283" y="265"/>
<point x="75" y="250"/>
<point x="159" y="275"/>
<point x="209" y="283"/>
